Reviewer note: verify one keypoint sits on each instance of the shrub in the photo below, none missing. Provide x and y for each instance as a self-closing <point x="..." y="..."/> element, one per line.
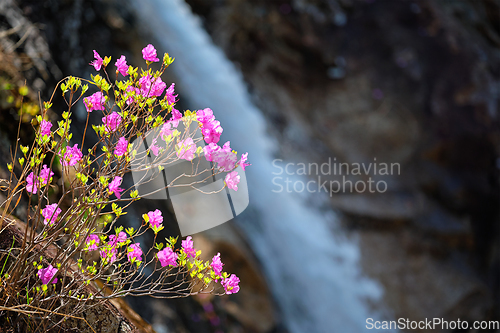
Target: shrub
<point x="92" y="257"/>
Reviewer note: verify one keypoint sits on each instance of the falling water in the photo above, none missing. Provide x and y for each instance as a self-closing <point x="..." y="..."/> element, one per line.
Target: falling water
<point x="314" y="272"/>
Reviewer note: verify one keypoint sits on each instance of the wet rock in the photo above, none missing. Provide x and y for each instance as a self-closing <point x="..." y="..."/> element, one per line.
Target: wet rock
<point x="407" y="82"/>
<point x="421" y="282"/>
<point x="252" y="307"/>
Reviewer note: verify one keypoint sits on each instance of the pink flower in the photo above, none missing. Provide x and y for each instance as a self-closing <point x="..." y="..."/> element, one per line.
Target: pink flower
<point x="186" y="149"/>
<point x="217" y="265"/>
<point x="231" y="284"/>
<point x="205" y="116"/>
<point x="112" y="121"/>
<point x="109" y="254"/>
<point x="187" y="245"/>
<point x="50" y="213"/>
<point x="232" y="180"/>
<point x="45" y="175"/>
<point x="97" y="63"/>
<point x="95" y="102"/>
<point x="45" y="127"/>
<point x="121" y="238"/>
<point x="173" y="122"/>
<point x="72" y="156"/>
<point x="167" y="257"/>
<point x="121" y="147"/>
<point x="131" y="98"/>
<point x="114" y="186"/>
<point x="155" y="218"/>
<point x="212" y="131"/>
<point x="166" y="130"/>
<point x="209" y="150"/>
<point x="92" y="242"/>
<point x="151" y="87"/>
<point x="211" y="128"/>
<point x="225" y="158"/>
<point x="134" y="253"/>
<point x="46" y="274"/>
<point x="149" y="53"/>
<point x="31" y="184"/>
<point x="154" y="148"/>
<point x="243" y="161"/>
<point x="169" y="94"/>
<point x="121" y="65"/>
<point x="176" y="117"/>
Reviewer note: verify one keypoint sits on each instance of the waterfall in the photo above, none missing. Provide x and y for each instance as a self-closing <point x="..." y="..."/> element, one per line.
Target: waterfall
<point x="311" y="265"/>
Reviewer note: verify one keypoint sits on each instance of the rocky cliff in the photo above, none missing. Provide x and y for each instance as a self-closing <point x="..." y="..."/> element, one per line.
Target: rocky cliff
<point x="407" y="82"/>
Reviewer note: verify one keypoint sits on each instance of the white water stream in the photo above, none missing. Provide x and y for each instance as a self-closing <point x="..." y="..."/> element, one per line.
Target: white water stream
<point x="312" y="270"/>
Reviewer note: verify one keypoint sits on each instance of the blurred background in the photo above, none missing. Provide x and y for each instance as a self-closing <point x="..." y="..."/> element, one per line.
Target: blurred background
<point x="416" y="83"/>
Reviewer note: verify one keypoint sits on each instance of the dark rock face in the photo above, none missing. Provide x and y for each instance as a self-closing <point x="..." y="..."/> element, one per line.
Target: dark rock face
<point x="414" y="83"/>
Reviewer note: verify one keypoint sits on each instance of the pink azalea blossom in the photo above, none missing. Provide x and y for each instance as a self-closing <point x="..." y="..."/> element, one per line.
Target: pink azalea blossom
<point x="92" y="242"/>
<point x="114" y="240"/>
<point x="187" y="148"/>
<point x="134" y="253"/>
<point x="31" y="183"/>
<point x="225" y="158"/>
<point x="114" y="186"/>
<point x="217" y="265"/>
<point x="45" y="175"/>
<point x="45" y="127"/>
<point x="154" y="148"/>
<point x="72" y="156"/>
<point x="176" y="117"/>
<point x="46" y="274"/>
<point x="50" y="213"/>
<point x="151" y="87"/>
<point x="166" y="130"/>
<point x="243" y="161"/>
<point x="155" y="218"/>
<point x="187" y="245"/>
<point x="231" y="284"/>
<point x="209" y="150"/>
<point x="149" y="53"/>
<point x="212" y="131"/>
<point x="211" y="128"/>
<point x="167" y="257"/>
<point x="95" y="102"/>
<point x="97" y="63"/>
<point x="112" y="121"/>
<point x="232" y="180"/>
<point x="205" y="116"/>
<point x="109" y="253"/>
<point x="131" y="98"/>
<point x="122" y="237"/>
<point x="121" y="147"/>
<point x="121" y="66"/>
<point x="169" y="94"/>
